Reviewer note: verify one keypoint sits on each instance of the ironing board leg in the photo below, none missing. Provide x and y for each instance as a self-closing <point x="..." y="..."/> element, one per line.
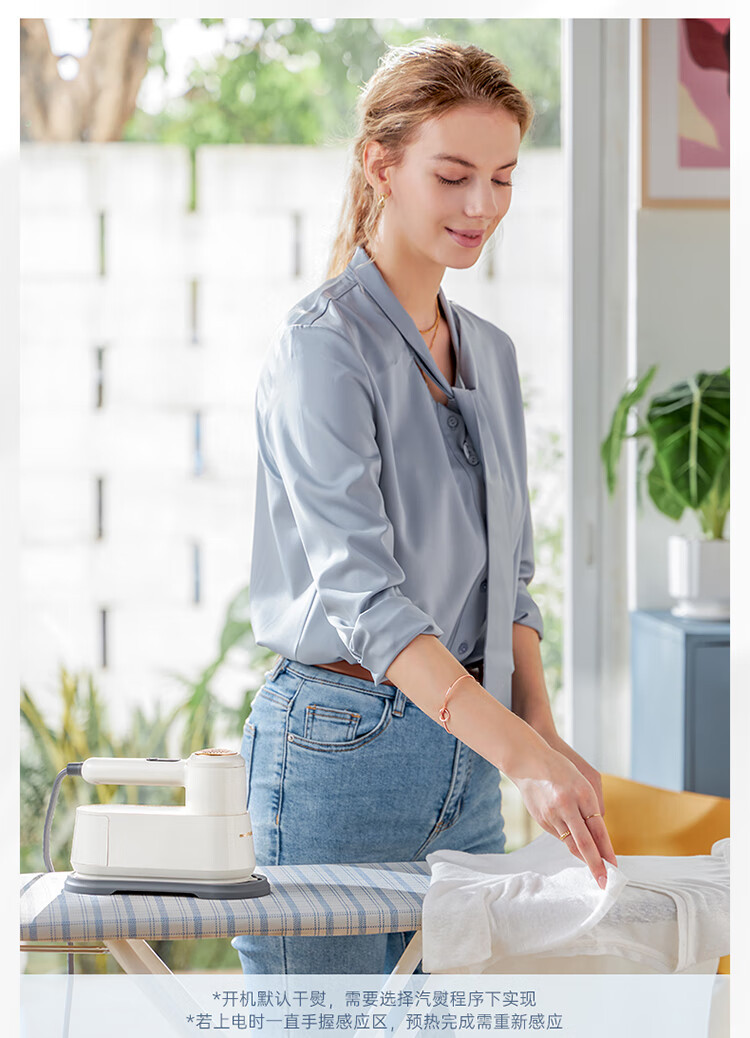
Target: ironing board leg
<point x="410" y="957"/>
<point x="169" y="996"/>
<point x="136" y="956"/>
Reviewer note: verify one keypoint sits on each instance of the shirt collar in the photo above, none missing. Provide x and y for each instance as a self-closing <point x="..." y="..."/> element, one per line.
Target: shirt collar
<point x="368" y="274"/>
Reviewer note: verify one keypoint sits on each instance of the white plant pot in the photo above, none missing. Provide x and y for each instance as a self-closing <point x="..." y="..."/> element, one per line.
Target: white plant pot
<point x="699" y="577"/>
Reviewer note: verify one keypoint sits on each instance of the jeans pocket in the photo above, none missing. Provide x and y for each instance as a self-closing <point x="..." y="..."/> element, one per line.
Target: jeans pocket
<point x="330" y="717"/>
<point x="330" y="724"/>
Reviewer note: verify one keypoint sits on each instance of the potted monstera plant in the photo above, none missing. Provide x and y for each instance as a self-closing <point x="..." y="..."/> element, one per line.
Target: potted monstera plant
<point x="686" y="433"/>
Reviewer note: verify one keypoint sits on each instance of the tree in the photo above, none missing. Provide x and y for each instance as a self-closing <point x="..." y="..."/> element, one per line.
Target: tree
<point x="296" y="81"/>
<point x="95" y="105"/>
<point x="280" y="81"/>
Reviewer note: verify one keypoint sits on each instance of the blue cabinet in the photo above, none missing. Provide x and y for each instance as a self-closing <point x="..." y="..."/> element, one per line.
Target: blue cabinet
<point x="680" y="702"/>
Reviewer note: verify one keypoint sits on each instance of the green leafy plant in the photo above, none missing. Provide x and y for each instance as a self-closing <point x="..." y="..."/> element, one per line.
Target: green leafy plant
<point x="687" y="428"/>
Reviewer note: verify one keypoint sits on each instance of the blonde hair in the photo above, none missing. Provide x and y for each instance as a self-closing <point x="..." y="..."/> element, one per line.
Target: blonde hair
<point x="413" y="83"/>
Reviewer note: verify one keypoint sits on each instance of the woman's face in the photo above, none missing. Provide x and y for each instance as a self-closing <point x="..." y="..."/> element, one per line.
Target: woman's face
<point x="453" y="186"/>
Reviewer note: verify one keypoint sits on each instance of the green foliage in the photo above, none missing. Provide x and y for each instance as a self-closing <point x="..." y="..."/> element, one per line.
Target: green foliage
<point x="689" y="426"/>
<point x="529" y="47"/>
<point x="610" y="449"/>
<point x="547" y="586"/>
<point x="687" y="430"/>
<point x="83" y="731"/>
<point x="202" y="710"/>
<point x="290" y="82"/>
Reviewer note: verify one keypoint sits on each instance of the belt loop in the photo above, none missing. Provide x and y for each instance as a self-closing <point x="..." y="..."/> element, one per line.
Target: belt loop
<point x="399" y="702"/>
<point x="279" y="662"/>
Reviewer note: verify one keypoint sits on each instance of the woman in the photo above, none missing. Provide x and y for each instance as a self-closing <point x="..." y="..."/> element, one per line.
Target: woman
<point x="392" y="548"/>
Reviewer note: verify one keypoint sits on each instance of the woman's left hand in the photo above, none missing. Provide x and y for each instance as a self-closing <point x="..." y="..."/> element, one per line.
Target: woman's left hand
<point x="591" y="774"/>
<point x="588" y="772"/>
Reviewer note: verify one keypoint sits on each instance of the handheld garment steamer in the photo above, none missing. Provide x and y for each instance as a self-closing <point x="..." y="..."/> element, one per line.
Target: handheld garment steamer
<point x="204" y="848"/>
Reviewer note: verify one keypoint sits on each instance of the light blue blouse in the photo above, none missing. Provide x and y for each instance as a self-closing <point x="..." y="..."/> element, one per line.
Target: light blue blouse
<point x="381" y="514"/>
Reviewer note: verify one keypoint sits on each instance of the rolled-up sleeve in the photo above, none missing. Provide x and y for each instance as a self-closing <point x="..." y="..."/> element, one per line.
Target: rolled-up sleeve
<point x="316" y="428"/>
<point x="527" y="611"/>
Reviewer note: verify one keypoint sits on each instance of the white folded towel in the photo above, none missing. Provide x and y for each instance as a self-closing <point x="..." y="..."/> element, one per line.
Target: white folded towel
<point x="481" y="910"/>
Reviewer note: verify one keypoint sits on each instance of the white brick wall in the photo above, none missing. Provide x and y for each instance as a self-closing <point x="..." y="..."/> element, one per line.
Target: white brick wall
<point x="239" y="246"/>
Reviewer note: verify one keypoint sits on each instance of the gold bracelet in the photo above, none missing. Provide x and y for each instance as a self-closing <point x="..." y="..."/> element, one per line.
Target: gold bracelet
<point x="444" y="713"/>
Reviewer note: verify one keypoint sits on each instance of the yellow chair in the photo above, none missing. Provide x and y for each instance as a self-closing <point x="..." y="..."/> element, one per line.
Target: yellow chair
<point x="644" y="819"/>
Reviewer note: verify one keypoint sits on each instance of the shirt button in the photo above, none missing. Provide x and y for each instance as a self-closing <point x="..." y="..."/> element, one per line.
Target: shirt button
<point x="463" y="647"/>
<point x="452" y="421"/>
<point x="483" y="586"/>
<point x="469" y="453"/>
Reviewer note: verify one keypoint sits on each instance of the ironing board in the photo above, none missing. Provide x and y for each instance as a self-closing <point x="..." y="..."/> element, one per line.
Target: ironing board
<point x="312" y="900"/>
<point x="305" y="900"/>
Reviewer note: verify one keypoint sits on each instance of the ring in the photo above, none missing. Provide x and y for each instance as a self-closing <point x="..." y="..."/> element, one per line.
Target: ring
<point x="595" y="815"/>
<point x="566" y="833"/>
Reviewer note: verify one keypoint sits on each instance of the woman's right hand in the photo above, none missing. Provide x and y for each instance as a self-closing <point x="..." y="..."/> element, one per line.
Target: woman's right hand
<point x="560" y="798"/>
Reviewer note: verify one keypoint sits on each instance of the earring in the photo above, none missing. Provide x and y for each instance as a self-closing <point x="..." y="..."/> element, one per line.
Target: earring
<point x="381" y="201"/>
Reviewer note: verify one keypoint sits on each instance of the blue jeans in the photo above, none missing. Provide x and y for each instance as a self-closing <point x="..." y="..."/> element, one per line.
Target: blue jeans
<point x="343" y="770"/>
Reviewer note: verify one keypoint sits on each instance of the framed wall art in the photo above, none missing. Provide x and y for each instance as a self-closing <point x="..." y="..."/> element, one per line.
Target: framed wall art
<point x="685" y="112"/>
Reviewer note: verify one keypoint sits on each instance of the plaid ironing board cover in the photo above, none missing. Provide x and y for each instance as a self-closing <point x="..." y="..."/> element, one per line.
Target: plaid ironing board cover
<point x="305" y="900"/>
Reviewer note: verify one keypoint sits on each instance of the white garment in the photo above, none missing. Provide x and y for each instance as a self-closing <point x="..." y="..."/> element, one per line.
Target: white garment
<point x="483" y="910"/>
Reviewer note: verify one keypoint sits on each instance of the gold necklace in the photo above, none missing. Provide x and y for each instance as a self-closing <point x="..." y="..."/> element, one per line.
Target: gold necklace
<point x="433" y="328"/>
